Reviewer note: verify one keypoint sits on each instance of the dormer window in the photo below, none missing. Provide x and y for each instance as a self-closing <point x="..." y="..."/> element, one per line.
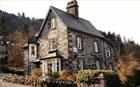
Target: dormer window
<point x="79" y="43"/>
<point x="96" y="47"/>
<point x="33" y="50"/>
<point x="53" y="23"/>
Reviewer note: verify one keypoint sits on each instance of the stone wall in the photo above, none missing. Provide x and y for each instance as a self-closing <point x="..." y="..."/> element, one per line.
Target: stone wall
<point x="60" y="33"/>
<point x="66" y="42"/>
<point x="87" y="53"/>
<point x="31" y="56"/>
<point x="7" y="84"/>
<point x="61" y="36"/>
<point x="16" y="79"/>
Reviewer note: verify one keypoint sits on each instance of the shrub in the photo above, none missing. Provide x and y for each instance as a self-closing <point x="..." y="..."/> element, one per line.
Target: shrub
<point x="36" y="72"/>
<point x="5" y="69"/>
<point x="91" y="77"/>
<point x="55" y="75"/>
<point x="87" y="75"/>
<point x="72" y="77"/>
<point x="64" y="74"/>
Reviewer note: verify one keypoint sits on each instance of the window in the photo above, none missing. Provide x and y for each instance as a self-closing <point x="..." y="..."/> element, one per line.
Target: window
<point x="96" y="49"/>
<point x="98" y="65"/>
<point x="104" y="65"/>
<point x="109" y="52"/>
<point x="58" y="66"/>
<point x="49" y="68"/>
<point x="81" y="64"/>
<point x="79" y="42"/>
<point x="53" y="23"/>
<point x="2" y="42"/>
<point x="53" y="65"/>
<point x="110" y="66"/>
<point x="33" y="50"/>
<point x="52" y="44"/>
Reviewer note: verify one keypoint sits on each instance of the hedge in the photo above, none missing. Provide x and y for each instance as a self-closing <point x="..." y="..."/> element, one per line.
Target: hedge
<point x="91" y="77"/>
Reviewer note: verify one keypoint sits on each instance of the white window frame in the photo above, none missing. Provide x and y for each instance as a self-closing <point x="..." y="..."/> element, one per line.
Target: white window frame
<point x="33" y="50"/>
<point x="53" y="23"/>
<point x="98" y="66"/>
<point x="81" y="64"/>
<point x="55" y="63"/>
<point x="109" y="52"/>
<point x="79" y="43"/>
<point x="96" y="47"/>
<point x="52" y="44"/>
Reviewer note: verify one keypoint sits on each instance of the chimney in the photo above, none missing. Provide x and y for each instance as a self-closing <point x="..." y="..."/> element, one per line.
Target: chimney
<point x="72" y="8"/>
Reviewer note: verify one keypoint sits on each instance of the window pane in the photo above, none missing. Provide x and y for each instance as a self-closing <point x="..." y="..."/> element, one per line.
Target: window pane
<point x="97" y="64"/>
<point x="96" y="49"/>
<point x="33" y="50"/>
<point x="108" y="52"/>
<point x="79" y="43"/>
<point x="52" y="44"/>
<point x="81" y="64"/>
<point x="53" y="22"/>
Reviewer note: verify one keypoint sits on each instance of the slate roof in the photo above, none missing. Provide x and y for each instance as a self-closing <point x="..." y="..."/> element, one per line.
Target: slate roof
<point x="75" y="23"/>
<point x="25" y="45"/>
<point x="33" y="39"/>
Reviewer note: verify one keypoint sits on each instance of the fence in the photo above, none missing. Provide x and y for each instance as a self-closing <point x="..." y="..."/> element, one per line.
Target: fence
<point x="55" y="83"/>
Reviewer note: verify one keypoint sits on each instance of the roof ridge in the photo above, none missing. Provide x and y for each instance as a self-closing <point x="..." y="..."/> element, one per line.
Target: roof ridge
<point x="79" y="24"/>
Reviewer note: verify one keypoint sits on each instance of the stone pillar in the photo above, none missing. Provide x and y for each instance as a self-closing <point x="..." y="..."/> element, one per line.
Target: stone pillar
<point x="102" y="81"/>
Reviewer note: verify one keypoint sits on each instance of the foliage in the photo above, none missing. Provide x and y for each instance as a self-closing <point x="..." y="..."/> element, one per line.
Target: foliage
<point x="64" y="74"/>
<point x="128" y="64"/>
<point x="17" y="30"/>
<point x="113" y="79"/>
<point x="36" y="72"/>
<point x="91" y="77"/>
<point x="15" y="51"/>
<point x="87" y="75"/>
<point x="67" y="75"/>
<point x="114" y="39"/>
<point x="5" y="69"/>
<point x="3" y="61"/>
<point x="11" y="23"/>
<point x="55" y="75"/>
<point x="134" y="80"/>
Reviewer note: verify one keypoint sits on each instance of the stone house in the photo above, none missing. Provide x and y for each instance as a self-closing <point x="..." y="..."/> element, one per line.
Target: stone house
<point x="66" y="41"/>
<point x="3" y="48"/>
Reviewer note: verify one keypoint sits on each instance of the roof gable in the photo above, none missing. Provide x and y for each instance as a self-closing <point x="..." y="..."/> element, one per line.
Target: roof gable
<point x="72" y="22"/>
<point x="44" y="30"/>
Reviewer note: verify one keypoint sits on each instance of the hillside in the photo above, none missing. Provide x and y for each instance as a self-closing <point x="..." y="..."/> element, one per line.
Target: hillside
<point x="9" y="23"/>
<point x="17" y="30"/>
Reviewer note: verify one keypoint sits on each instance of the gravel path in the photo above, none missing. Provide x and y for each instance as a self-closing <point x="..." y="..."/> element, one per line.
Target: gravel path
<point x="6" y="84"/>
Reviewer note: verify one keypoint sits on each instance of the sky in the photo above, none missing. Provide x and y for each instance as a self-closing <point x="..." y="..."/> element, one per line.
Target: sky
<point x="119" y="16"/>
